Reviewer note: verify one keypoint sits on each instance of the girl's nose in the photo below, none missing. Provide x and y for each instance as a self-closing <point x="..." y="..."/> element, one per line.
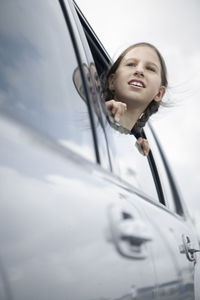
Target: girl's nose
<point x="139" y="71"/>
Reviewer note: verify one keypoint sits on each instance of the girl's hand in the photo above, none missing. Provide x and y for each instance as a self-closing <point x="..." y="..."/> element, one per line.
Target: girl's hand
<point x="116" y="108"/>
<point x="143" y="146"/>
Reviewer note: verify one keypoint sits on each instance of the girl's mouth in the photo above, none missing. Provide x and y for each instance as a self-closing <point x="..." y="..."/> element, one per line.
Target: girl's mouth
<point x="136" y="83"/>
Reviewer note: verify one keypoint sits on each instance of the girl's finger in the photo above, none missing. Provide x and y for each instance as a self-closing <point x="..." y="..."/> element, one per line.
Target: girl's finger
<point x="114" y="109"/>
<point x="117" y="117"/>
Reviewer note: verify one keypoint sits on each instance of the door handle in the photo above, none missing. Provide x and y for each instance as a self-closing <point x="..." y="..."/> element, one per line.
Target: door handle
<point x="128" y="233"/>
<point x="133" y="231"/>
<point x="187" y="249"/>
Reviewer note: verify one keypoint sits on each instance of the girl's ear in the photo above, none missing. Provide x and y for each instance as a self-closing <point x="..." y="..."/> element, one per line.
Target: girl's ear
<point x="160" y="94"/>
<point x="111" y="82"/>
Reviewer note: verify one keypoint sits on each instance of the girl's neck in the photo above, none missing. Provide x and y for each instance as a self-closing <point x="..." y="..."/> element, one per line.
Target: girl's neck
<point x="128" y="119"/>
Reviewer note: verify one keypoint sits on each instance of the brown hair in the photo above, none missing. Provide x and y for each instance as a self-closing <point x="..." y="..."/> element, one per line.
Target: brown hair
<point x="153" y="105"/>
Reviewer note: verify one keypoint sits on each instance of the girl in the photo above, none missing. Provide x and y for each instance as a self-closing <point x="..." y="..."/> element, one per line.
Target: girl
<point x="134" y="87"/>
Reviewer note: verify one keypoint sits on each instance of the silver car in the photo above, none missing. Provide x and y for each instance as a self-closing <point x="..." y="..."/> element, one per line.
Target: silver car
<point x="83" y="215"/>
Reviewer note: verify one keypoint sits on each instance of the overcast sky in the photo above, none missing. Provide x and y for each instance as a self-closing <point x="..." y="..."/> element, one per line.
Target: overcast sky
<point x="173" y="27"/>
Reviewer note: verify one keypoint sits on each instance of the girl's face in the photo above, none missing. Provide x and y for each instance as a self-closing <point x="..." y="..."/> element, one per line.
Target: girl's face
<point x="138" y="77"/>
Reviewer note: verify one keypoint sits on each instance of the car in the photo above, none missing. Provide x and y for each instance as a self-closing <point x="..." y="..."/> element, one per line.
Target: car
<point x="83" y="214"/>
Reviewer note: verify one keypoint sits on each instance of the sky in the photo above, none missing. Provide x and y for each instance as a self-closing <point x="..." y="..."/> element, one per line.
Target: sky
<point x="173" y="27"/>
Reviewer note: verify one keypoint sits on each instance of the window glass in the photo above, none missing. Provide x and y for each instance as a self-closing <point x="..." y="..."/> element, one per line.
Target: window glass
<point x="37" y="68"/>
<point x="169" y="199"/>
<point x="133" y="166"/>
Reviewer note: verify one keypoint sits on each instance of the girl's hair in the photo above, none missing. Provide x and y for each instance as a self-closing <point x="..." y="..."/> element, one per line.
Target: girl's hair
<point x="153" y="105"/>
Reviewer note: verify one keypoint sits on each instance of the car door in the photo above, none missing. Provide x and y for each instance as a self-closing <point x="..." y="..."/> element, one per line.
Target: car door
<point x="65" y="218"/>
<point x="172" y="233"/>
<point x="135" y="170"/>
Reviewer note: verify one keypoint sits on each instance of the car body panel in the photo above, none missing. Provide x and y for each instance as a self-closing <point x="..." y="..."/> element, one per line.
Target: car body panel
<point x="56" y="244"/>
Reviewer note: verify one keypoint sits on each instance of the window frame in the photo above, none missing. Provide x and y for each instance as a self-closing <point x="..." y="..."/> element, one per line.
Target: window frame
<point x="82" y="26"/>
<point x="95" y="44"/>
<point x="173" y="185"/>
<point x="155" y="175"/>
<point x="71" y="25"/>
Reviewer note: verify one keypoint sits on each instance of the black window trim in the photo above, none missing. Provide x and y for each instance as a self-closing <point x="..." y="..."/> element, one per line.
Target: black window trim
<point x="94" y="41"/>
<point x="175" y="193"/>
<point x="155" y="174"/>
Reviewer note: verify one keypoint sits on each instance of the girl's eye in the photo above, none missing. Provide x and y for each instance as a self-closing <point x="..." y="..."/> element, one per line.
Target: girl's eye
<point x="131" y="64"/>
<point x="151" y="69"/>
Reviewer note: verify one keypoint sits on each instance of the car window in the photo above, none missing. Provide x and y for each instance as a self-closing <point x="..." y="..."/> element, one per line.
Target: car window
<point x="37" y="68"/>
<point x="166" y="187"/>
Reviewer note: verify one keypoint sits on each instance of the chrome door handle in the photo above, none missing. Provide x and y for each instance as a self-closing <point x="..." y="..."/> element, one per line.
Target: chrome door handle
<point x="128" y="234"/>
<point x="187" y="249"/>
<point x="134" y="231"/>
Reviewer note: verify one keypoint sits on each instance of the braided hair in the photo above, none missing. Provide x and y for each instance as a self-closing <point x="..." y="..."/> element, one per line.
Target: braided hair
<point x="153" y="106"/>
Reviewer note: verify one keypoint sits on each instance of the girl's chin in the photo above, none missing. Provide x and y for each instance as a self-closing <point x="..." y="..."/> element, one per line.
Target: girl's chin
<point x="129" y="99"/>
<point x="136" y="102"/>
